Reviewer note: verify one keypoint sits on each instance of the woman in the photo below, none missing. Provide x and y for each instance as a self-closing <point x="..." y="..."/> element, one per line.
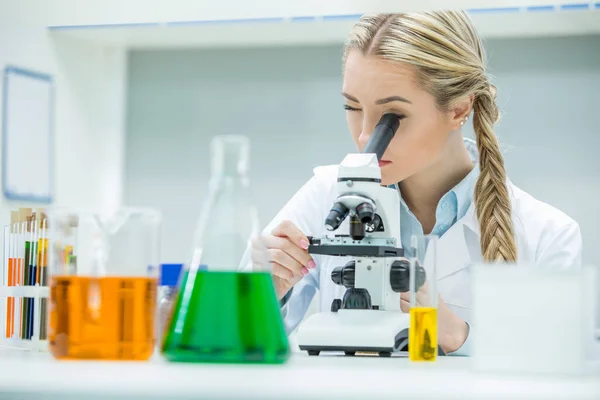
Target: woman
<point x="429" y="68"/>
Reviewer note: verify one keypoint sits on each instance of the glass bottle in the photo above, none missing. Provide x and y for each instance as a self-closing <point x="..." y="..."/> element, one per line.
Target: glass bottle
<point x="226" y="312"/>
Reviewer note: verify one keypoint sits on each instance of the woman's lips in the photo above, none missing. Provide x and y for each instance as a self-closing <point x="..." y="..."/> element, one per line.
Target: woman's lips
<point x="383" y="163"/>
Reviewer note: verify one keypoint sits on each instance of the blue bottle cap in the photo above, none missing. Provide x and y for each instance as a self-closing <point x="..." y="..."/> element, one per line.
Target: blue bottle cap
<point x="169" y="274"/>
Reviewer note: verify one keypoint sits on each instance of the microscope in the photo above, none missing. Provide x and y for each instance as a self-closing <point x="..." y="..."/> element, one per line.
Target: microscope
<point x="368" y="318"/>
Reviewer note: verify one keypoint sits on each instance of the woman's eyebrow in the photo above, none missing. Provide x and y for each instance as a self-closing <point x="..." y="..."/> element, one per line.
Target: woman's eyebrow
<point x="350" y="97"/>
<point x="391" y="99"/>
<point x="380" y="101"/>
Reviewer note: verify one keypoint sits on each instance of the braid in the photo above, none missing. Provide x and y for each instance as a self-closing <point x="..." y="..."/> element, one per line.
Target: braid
<point x="491" y="193"/>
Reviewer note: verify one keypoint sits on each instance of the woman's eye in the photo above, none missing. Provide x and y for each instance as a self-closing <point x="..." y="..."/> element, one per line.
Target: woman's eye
<point x="350" y="108"/>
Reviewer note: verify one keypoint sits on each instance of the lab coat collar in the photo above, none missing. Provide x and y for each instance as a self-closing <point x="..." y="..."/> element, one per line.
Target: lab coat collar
<point x="458" y="248"/>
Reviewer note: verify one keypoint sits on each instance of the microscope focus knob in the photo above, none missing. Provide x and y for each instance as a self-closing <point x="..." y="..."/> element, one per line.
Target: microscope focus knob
<point x="400" y="276"/>
<point x="344" y="276"/>
<point x="336" y="304"/>
<point x="357" y="299"/>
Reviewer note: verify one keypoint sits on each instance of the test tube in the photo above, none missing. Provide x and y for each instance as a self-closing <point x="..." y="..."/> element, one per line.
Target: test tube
<point x="423" y="330"/>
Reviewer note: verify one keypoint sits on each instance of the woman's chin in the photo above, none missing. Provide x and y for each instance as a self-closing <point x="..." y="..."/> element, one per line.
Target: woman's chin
<point x="387" y="177"/>
<point x="386" y="181"/>
<point x="393" y="174"/>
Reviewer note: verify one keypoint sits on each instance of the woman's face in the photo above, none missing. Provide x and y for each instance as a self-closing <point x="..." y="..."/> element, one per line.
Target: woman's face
<point x="373" y="87"/>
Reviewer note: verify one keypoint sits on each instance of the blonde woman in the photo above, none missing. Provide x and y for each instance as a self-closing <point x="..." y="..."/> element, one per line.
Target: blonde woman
<point x="429" y="68"/>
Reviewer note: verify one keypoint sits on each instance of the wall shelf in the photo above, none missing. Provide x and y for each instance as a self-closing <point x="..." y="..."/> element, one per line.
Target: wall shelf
<point x="271" y="30"/>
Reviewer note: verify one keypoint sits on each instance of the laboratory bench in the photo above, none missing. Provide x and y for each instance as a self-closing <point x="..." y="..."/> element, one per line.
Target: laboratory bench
<point x="31" y="375"/>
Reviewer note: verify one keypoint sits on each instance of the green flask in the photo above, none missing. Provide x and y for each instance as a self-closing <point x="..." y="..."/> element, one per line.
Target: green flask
<point x="226" y="309"/>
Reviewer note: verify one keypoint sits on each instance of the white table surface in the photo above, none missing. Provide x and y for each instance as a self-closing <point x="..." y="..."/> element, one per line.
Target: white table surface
<point x="25" y="375"/>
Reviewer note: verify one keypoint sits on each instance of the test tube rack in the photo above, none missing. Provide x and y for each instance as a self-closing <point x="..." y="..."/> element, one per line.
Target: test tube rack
<point x="24" y="294"/>
<point x="15" y="340"/>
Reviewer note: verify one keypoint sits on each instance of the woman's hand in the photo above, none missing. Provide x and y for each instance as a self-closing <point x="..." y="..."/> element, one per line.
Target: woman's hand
<point x="452" y="330"/>
<point x="288" y="255"/>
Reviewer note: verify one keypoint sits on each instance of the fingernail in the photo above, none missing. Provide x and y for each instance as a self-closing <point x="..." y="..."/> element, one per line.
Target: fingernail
<point x="304" y="271"/>
<point x="311" y="264"/>
<point x="304" y="244"/>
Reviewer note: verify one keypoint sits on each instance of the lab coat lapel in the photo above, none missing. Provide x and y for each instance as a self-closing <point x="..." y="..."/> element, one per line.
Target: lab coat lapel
<point x="459" y="246"/>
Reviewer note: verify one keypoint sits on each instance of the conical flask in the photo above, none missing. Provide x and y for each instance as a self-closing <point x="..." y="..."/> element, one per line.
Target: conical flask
<point x="224" y="313"/>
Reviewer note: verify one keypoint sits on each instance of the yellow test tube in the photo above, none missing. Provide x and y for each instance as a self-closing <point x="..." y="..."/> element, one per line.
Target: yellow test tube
<point x="423" y="329"/>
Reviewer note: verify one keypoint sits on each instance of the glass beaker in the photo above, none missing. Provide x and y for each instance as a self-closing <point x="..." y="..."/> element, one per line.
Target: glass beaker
<point x="103" y="279"/>
<point x="224" y="314"/>
<point x="423" y="329"/>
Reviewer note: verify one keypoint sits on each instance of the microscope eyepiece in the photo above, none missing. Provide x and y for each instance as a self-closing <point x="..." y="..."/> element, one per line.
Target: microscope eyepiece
<point x="336" y="216"/>
<point x="383" y="134"/>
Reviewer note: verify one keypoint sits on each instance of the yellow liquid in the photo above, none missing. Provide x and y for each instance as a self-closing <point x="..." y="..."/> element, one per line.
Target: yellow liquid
<point x="108" y="318"/>
<point x="422" y="341"/>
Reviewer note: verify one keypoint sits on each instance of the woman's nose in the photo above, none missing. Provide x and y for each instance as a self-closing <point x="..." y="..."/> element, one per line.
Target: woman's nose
<point x="365" y="135"/>
<point x="363" y="139"/>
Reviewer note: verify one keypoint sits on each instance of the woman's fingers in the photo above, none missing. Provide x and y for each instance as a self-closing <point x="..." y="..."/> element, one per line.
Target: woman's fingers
<point x="288" y="247"/>
<point x="291" y="231"/>
<point x="405" y="305"/>
<point x="282" y="258"/>
<point x="287" y="252"/>
<point x="405" y="301"/>
<point x="282" y="272"/>
<point x="423" y="299"/>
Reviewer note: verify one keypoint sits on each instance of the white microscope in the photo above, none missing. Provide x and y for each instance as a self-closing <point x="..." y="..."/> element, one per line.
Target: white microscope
<point x="368" y="317"/>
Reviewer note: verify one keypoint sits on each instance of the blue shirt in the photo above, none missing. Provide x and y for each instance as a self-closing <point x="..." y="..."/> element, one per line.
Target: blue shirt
<point x="452" y="206"/>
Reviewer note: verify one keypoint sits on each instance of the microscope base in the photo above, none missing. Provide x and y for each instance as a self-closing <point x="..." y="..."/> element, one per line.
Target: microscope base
<point x="352" y="331"/>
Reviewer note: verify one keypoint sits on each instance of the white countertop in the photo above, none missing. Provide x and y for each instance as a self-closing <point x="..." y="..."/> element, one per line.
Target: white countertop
<point x="25" y="375"/>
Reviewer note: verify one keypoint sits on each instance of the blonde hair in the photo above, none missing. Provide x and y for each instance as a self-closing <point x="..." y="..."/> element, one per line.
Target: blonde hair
<point x="449" y="63"/>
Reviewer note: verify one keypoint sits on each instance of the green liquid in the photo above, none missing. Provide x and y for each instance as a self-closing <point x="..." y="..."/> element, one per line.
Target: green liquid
<point x="227" y="317"/>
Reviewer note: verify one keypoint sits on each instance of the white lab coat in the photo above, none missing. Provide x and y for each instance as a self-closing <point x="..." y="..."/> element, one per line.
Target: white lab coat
<point x="544" y="236"/>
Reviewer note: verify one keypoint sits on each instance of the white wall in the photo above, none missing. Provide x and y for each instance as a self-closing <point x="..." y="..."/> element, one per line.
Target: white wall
<point x="287" y="100"/>
<point x="89" y="112"/>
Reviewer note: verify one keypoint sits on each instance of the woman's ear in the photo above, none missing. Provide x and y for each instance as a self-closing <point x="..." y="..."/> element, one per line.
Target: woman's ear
<point x="460" y="112"/>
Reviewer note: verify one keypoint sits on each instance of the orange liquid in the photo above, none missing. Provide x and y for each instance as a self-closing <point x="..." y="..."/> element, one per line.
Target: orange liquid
<point x="109" y="318"/>
<point x="10" y="302"/>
